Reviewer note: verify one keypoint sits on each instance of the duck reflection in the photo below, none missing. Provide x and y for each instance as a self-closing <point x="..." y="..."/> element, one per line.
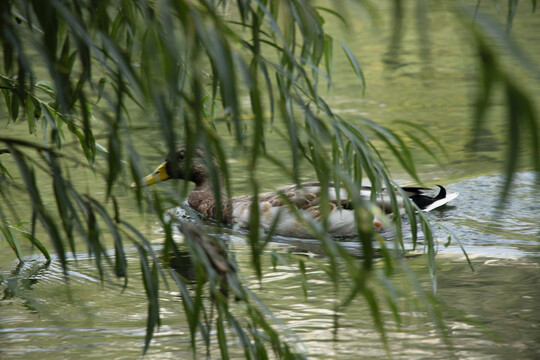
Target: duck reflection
<point x="202" y="258"/>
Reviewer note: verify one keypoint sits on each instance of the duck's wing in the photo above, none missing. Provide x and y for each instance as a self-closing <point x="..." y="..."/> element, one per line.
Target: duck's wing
<point x="309" y="195"/>
<point x="382" y="200"/>
<point x="276" y="211"/>
<point x="303" y="197"/>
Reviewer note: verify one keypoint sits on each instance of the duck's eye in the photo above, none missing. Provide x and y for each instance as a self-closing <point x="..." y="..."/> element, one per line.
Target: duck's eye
<point x="181" y="155"/>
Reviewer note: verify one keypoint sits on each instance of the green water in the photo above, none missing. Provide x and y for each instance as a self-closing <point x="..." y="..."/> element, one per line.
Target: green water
<point x="492" y="312"/>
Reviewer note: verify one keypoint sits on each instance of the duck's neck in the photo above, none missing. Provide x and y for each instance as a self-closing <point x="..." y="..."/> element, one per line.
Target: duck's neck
<point x="203" y="199"/>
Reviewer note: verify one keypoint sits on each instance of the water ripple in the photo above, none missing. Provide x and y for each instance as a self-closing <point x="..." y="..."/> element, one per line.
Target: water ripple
<point x="474" y="218"/>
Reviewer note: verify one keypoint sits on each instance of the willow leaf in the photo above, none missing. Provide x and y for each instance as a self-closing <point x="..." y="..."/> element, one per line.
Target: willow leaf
<point x="354" y="65"/>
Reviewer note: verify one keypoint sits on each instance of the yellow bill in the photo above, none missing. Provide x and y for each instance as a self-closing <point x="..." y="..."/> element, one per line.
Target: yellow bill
<point x="160" y="174"/>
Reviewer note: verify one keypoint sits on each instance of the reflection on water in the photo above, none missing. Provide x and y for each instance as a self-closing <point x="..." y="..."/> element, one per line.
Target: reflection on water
<point x="493" y="312"/>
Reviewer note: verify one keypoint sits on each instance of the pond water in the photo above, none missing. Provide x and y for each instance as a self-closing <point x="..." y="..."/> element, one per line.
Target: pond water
<point x="491" y="311"/>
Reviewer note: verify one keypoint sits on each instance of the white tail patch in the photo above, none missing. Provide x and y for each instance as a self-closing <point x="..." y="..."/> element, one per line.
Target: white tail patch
<point x="439" y="203"/>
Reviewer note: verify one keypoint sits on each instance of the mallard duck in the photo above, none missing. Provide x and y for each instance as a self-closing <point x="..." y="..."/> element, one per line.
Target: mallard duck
<point x="235" y="211"/>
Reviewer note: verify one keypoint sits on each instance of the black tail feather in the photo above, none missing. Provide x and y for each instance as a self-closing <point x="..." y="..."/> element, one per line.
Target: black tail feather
<point x="441" y="194"/>
<point x="423" y="201"/>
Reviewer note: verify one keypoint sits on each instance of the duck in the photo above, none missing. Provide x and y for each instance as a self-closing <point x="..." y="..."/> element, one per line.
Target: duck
<point x="275" y="208"/>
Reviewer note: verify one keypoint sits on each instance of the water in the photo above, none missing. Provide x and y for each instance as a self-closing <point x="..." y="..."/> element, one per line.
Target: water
<point x="491" y="311"/>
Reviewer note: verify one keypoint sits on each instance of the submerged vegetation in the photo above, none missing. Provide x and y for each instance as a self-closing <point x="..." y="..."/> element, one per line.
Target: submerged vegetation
<point x="219" y="77"/>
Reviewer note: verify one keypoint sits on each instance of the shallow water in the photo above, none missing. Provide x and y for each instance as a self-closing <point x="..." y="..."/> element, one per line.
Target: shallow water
<point x="491" y="311"/>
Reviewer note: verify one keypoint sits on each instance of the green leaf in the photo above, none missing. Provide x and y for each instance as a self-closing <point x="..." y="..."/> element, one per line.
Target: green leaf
<point x="30" y="114"/>
<point x="329" y="57"/>
<point x="150" y="281"/>
<point x="35" y="242"/>
<point x="221" y="334"/>
<point x="12" y="241"/>
<point x="354" y="65"/>
<point x="14" y="107"/>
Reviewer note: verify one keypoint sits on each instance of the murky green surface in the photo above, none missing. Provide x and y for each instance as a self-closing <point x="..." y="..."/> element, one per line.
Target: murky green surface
<point x="491" y="313"/>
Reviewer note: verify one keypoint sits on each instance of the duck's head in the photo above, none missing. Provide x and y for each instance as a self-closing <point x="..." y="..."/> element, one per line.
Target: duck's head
<point x="179" y="165"/>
